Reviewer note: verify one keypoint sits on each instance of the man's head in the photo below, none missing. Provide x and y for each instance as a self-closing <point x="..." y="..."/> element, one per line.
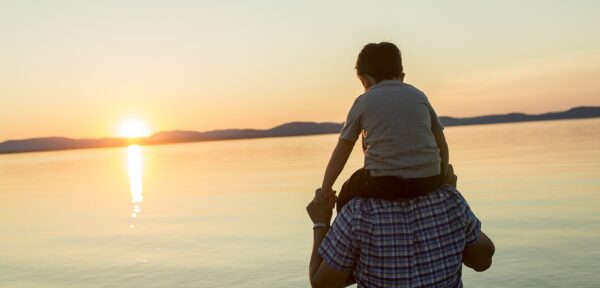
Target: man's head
<point x="377" y="62"/>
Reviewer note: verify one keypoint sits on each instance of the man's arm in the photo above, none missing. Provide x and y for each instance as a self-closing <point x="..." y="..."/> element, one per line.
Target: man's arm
<point x="315" y="258"/>
<point x="336" y="164"/>
<point x="478" y="255"/>
<point x="320" y="273"/>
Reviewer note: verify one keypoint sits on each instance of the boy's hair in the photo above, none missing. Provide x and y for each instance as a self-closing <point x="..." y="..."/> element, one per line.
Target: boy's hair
<point x="382" y="61"/>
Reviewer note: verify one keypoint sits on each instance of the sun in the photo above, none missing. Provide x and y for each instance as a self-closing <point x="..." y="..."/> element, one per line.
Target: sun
<point x="133" y="128"/>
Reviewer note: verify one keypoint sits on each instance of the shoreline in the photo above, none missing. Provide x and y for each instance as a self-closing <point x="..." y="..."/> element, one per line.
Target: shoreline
<point x="124" y="142"/>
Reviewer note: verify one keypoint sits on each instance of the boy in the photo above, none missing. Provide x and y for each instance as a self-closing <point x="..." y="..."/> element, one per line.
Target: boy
<point x="406" y="154"/>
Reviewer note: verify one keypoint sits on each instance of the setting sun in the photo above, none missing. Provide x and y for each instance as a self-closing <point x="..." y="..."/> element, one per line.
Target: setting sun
<point x="133" y="128"/>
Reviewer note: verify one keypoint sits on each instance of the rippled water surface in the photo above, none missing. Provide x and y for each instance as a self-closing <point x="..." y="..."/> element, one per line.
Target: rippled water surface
<point x="231" y="213"/>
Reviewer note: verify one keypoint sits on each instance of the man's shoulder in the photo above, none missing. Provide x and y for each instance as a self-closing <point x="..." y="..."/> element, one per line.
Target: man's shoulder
<point x="445" y="197"/>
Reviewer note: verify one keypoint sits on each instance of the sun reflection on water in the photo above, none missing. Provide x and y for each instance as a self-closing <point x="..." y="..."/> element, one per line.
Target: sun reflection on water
<point x="135" y="170"/>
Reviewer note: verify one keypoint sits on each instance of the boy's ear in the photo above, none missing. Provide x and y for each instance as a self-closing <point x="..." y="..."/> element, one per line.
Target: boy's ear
<point x="401" y="77"/>
<point x="366" y="81"/>
<point x="363" y="81"/>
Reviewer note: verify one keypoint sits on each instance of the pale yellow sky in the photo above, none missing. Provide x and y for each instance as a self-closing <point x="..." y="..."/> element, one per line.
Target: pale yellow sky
<point x="78" y="68"/>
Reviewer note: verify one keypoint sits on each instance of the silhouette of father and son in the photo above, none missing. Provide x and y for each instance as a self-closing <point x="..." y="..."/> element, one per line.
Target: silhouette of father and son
<point x="400" y="220"/>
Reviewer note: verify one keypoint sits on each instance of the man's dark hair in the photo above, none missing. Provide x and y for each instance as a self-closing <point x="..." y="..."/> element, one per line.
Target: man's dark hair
<point x="382" y="61"/>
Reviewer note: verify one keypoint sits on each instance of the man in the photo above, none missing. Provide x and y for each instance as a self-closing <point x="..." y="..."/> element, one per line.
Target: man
<point x="406" y="228"/>
<point x="420" y="242"/>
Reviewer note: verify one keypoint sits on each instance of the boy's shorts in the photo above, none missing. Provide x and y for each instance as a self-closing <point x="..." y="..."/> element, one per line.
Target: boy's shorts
<point x="362" y="184"/>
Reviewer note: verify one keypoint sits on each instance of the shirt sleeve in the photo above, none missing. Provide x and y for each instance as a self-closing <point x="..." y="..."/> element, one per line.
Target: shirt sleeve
<point x="472" y="226"/>
<point x="352" y="127"/>
<point x="339" y="249"/>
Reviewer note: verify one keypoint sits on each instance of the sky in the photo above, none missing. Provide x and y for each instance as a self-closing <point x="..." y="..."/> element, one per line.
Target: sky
<point x="79" y="68"/>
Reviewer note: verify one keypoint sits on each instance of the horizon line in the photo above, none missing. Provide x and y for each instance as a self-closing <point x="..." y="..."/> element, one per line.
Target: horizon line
<point x="272" y="127"/>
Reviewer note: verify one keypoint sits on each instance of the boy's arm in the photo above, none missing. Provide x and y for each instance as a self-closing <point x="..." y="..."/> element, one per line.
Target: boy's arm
<point x="340" y="155"/>
<point x="437" y="129"/>
<point x="348" y="137"/>
<point x="440" y="140"/>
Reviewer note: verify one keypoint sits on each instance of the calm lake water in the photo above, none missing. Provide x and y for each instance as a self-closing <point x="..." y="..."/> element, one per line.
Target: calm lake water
<point x="232" y="213"/>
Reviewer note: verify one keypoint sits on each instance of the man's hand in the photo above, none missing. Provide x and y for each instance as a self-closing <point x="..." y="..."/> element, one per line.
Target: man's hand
<point x="320" y="209"/>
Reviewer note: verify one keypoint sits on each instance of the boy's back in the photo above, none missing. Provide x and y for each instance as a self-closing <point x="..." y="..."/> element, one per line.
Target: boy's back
<point x="395" y="120"/>
<point x="406" y="154"/>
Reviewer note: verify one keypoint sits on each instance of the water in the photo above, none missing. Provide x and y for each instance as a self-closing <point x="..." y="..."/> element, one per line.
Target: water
<point x="231" y="213"/>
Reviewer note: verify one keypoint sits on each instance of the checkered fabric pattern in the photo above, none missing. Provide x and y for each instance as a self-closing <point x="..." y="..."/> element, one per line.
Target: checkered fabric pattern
<point x="404" y="243"/>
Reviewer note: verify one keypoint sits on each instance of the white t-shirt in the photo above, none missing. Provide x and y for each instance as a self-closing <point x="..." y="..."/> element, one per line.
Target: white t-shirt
<point x="396" y="121"/>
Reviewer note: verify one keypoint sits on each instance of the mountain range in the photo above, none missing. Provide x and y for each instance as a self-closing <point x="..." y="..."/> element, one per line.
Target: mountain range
<point x="288" y="129"/>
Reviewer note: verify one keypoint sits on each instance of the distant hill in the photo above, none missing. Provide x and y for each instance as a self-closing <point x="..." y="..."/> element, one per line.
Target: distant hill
<point x="573" y="113"/>
<point x="57" y="143"/>
<point x="288" y="129"/>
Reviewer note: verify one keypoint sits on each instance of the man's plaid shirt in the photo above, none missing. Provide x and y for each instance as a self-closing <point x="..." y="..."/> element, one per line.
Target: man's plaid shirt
<point x="405" y="243"/>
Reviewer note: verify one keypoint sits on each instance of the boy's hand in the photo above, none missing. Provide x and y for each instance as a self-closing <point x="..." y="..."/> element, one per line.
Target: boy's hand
<point x="323" y="195"/>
